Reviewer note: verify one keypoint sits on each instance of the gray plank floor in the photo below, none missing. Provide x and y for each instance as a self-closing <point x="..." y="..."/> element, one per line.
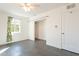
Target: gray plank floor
<point x="32" y="48"/>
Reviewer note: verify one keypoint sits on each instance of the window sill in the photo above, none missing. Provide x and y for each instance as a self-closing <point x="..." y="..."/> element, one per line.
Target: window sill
<point x="15" y="33"/>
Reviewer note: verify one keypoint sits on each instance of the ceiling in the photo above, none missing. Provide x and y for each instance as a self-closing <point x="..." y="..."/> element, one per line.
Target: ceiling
<point x="14" y="8"/>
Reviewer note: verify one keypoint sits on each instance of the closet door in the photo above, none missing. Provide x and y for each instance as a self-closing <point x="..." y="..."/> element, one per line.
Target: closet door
<point x="70" y="27"/>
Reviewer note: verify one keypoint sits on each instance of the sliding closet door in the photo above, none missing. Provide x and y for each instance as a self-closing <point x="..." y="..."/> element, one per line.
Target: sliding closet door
<point x="70" y="27"/>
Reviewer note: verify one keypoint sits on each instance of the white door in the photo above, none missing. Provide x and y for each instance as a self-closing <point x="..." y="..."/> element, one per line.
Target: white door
<point x="70" y="27"/>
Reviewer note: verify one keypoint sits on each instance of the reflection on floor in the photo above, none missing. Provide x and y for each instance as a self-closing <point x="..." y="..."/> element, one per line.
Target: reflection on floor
<point x="32" y="48"/>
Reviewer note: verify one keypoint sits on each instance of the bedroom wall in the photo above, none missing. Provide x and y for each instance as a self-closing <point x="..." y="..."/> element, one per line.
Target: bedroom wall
<point x="31" y="30"/>
<point x="23" y="35"/>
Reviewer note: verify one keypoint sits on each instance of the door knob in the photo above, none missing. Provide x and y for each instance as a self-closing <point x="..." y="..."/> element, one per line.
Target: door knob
<point x="62" y="33"/>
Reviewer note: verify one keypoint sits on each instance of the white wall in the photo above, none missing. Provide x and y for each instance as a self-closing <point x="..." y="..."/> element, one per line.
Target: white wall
<point x="16" y="37"/>
<point x="25" y="29"/>
<point x="53" y="33"/>
<point x="3" y="28"/>
<point x="31" y="30"/>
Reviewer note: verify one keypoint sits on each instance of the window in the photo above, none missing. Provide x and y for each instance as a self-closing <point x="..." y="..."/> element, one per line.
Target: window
<point x="15" y="26"/>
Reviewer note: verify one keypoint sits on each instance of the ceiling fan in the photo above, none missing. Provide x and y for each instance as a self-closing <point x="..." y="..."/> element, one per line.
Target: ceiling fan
<point x="28" y="6"/>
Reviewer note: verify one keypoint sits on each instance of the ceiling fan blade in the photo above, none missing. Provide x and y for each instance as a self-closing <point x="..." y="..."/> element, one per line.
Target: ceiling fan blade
<point x="36" y="5"/>
<point x="19" y="4"/>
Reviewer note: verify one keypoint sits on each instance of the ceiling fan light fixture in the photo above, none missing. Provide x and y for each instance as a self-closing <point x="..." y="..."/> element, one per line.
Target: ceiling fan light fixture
<point x="26" y="8"/>
<point x="28" y="4"/>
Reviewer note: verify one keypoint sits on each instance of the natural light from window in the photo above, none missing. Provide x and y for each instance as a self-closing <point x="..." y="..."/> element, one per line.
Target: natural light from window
<point x="15" y="26"/>
<point x="3" y="50"/>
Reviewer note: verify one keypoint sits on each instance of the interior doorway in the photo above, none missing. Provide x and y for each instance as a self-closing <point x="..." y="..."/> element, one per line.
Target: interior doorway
<point x="39" y="30"/>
